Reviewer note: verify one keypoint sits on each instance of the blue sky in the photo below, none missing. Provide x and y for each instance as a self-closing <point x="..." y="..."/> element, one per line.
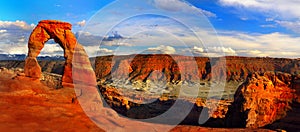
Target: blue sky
<point x="199" y="27"/>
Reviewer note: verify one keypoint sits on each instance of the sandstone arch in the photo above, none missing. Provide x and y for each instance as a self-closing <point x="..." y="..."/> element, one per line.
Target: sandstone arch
<point x="62" y="34"/>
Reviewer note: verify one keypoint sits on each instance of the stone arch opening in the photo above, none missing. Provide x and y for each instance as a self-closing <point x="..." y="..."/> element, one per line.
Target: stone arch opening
<point x="61" y="33"/>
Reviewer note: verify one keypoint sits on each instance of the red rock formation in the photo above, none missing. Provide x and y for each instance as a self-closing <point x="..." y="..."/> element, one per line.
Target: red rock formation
<point x="261" y="100"/>
<point x="178" y="67"/>
<point x="61" y="33"/>
<point x="140" y="67"/>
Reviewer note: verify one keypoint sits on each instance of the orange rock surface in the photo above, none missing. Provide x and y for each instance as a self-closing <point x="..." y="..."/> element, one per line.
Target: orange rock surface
<point x="62" y="34"/>
<point x="262" y="99"/>
<point x="28" y="105"/>
<point x="177" y="67"/>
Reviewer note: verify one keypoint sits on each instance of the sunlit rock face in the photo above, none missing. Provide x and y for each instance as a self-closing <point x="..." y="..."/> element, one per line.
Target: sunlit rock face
<point x="62" y="34"/>
<point x="262" y="99"/>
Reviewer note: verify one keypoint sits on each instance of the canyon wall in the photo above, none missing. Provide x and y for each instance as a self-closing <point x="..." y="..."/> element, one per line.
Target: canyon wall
<point x="187" y="68"/>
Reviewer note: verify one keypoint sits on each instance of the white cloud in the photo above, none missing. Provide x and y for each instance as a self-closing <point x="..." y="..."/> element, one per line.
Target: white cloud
<point x="246" y="3"/>
<point x="269" y="19"/>
<point x="3" y="31"/>
<point x="240" y="43"/>
<point x="52" y="50"/>
<point x="95" y="51"/>
<point x="177" y="5"/>
<point x="268" y="26"/>
<point x="21" y="40"/>
<point x="196" y="49"/>
<point x="16" y="24"/>
<point x="15" y="49"/>
<point x="114" y="43"/>
<point x="83" y="33"/>
<point x="13" y="35"/>
<point x="282" y="12"/>
<point x="211" y="51"/>
<point x="226" y="50"/>
<point x="291" y="25"/>
<point x="105" y="50"/>
<point x="244" y="18"/>
<point x="284" y="8"/>
<point x="163" y="49"/>
<point x="273" y="44"/>
<point x="21" y="48"/>
<point x="81" y="23"/>
<point x="265" y="53"/>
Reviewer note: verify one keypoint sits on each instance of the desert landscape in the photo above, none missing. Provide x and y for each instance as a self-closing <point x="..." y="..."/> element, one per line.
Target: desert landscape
<point x="150" y="65"/>
<point x="233" y="93"/>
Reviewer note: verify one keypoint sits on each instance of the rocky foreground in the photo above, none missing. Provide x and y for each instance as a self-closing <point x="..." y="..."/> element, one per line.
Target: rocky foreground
<point x="28" y="105"/>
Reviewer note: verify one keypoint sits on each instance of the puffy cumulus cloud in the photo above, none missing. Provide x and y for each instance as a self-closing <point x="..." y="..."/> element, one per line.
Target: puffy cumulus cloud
<point x="81" y="23"/>
<point x="162" y="49"/>
<point x="178" y="5"/>
<point x="211" y="51"/>
<point x="52" y="50"/>
<point x="16" y="25"/>
<point x="48" y="50"/>
<point x="13" y="36"/>
<point x="105" y="50"/>
<point x="196" y="49"/>
<point x="96" y="51"/>
<point x="221" y="50"/>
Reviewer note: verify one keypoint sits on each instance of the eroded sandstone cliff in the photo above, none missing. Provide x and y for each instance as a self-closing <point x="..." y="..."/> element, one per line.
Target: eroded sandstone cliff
<point x="187" y="68"/>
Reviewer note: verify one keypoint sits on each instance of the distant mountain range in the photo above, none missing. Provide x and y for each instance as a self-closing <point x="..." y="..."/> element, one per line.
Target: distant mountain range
<point x="23" y="56"/>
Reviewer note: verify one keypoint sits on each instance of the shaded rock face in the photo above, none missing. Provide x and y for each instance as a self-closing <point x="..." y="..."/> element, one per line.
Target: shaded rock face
<point x="261" y="100"/>
<point x="61" y="33"/>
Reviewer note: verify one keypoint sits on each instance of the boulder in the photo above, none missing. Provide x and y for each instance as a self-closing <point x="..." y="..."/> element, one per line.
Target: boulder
<point x="261" y="100"/>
